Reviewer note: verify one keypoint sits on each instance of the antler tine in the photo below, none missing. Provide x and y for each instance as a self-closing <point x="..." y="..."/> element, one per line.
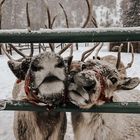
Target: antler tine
<point x="2" y="2"/>
<point x="89" y="14"/>
<point x="19" y="52"/>
<point x="53" y="21"/>
<point x="119" y="56"/>
<point x="129" y="65"/>
<point x="48" y="14"/>
<point x="32" y="50"/>
<point x="132" y="60"/>
<point x="71" y="50"/>
<point x="28" y="18"/>
<point x="67" y="24"/>
<point x="9" y="56"/>
<point x="93" y="20"/>
<point x="97" y="52"/>
<point x="29" y="28"/>
<point x="65" y="14"/>
<point x="65" y="48"/>
<point x="50" y="23"/>
<point x="88" y="52"/>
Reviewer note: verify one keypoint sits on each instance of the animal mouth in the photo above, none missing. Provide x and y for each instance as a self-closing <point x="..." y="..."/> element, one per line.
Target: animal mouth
<point x="50" y="78"/>
<point x="50" y="98"/>
<point x="88" y="88"/>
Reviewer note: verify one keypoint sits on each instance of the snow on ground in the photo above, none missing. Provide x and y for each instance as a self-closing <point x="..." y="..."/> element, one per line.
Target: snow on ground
<point x="7" y="80"/>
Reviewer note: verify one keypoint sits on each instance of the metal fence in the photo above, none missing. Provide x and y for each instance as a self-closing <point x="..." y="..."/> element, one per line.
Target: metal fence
<point x="73" y="36"/>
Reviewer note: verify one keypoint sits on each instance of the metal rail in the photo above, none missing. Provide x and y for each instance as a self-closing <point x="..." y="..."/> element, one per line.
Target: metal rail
<point x="65" y="36"/>
<point x="71" y="35"/>
<point x="116" y="107"/>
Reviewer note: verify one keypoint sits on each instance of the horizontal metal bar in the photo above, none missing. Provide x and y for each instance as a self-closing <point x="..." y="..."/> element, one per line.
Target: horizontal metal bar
<point x="116" y="107"/>
<point x="71" y="35"/>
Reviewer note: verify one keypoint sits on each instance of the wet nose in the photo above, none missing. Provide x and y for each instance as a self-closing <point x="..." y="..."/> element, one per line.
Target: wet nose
<point x="90" y="85"/>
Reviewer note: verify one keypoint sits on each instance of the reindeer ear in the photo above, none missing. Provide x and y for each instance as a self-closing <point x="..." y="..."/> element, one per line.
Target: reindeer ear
<point x="19" y="68"/>
<point x="129" y="83"/>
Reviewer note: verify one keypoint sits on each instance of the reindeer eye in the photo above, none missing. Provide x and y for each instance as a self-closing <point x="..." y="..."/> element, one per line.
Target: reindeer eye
<point x="113" y="80"/>
<point x="60" y="64"/>
<point x="83" y="66"/>
<point x="36" y="68"/>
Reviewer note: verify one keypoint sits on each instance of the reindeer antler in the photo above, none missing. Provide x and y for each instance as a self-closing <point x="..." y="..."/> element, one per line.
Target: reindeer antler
<point x="65" y="14"/>
<point x="88" y="52"/>
<point x="119" y="56"/>
<point x="7" y="54"/>
<point x="132" y="60"/>
<point x="83" y="26"/>
<point x="89" y="14"/>
<point x="29" y="28"/>
<point x="129" y="65"/>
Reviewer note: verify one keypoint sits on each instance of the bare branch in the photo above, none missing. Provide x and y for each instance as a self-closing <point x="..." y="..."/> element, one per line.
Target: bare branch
<point x="65" y="14"/>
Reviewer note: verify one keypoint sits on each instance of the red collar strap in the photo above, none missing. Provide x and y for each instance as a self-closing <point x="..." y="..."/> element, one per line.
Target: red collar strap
<point x="103" y="85"/>
<point x="31" y="94"/>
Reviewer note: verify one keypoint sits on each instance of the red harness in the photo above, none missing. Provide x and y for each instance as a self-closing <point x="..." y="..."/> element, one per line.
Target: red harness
<point x="31" y="94"/>
<point x="103" y="86"/>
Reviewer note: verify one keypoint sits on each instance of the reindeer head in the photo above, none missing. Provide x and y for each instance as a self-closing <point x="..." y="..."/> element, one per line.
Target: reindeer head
<point x="96" y="83"/>
<point x="44" y="76"/>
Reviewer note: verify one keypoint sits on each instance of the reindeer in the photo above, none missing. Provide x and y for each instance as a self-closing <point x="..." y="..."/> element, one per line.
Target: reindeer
<point x="47" y="71"/>
<point x="94" y="82"/>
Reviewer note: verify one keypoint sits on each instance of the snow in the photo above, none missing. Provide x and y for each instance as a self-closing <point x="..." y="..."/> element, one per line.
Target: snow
<point x="7" y="80"/>
<point x="61" y="31"/>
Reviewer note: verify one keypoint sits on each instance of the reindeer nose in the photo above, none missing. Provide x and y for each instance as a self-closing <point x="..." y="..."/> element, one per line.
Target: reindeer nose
<point x="90" y="85"/>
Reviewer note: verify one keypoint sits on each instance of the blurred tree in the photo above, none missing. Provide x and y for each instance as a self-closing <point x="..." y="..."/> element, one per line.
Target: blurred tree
<point x="130" y="18"/>
<point x="131" y="13"/>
